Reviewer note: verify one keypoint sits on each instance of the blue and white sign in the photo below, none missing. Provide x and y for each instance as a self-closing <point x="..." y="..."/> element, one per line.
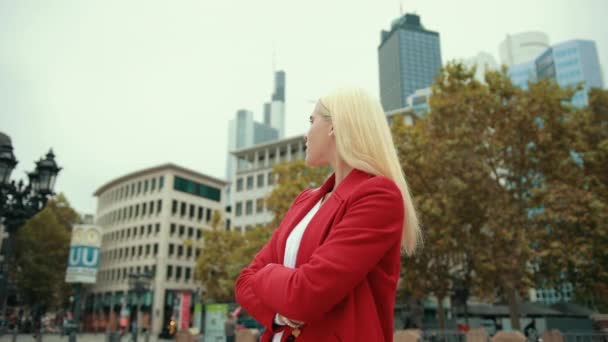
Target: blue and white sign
<point x="84" y="254"/>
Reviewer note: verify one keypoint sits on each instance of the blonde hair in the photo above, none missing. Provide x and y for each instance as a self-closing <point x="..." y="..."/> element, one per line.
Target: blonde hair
<point x="364" y="142"/>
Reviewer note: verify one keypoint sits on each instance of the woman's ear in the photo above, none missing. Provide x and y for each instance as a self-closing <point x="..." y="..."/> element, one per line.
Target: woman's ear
<point x="331" y="131"/>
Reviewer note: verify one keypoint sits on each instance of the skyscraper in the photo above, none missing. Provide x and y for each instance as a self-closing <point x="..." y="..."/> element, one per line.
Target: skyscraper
<point x="274" y="111"/>
<point x="568" y="63"/>
<point x="522" y="47"/>
<point x="409" y="57"/>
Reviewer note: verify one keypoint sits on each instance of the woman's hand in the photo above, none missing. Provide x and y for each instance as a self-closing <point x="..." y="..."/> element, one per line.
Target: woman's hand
<point x="282" y="320"/>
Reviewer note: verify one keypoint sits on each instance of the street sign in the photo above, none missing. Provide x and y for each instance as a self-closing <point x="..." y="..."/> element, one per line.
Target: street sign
<point x="83" y="260"/>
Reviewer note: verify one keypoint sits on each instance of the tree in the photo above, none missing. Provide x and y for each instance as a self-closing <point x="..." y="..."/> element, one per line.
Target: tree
<point x="42" y="254"/>
<point x="224" y="254"/>
<point x="293" y="177"/>
<point x="575" y="208"/>
<point x="513" y="145"/>
<point x="213" y="266"/>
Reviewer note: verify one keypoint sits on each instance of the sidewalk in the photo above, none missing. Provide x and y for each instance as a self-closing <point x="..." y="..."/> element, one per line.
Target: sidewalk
<point x="85" y="337"/>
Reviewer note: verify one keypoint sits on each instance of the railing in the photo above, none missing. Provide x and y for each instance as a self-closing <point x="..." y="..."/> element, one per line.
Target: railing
<point x="443" y="336"/>
<point x="585" y="337"/>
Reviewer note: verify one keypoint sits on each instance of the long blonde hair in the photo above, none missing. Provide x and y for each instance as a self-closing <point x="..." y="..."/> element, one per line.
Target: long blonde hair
<point x="364" y="141"/>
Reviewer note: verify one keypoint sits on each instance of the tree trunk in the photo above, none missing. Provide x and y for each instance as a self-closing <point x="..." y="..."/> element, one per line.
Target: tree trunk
<point x="440" y="312"/>
<point x="512" y="297"/>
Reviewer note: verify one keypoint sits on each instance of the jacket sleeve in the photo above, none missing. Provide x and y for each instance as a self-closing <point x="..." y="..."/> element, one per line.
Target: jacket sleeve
<point x="371" y="225"/>
<point x="245" y="296"/>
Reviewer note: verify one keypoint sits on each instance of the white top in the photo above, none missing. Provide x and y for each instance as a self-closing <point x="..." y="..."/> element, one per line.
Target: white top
<point x="293" y="245"/>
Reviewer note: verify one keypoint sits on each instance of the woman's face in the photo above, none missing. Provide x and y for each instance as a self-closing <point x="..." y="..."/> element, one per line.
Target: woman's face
<point x="320" y="140"/>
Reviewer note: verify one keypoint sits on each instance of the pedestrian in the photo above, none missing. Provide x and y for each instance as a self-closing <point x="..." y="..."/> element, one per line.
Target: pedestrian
<point x="330" y="270"/>
<point x="229" y="327"/>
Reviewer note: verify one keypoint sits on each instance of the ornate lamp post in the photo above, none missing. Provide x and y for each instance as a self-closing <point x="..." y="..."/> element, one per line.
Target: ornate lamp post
<point x="19" y="202"/>
<point x="140" y="283"/>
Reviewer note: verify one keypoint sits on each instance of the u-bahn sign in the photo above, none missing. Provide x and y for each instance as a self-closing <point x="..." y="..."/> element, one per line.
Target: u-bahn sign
<point x="84" y="254"/>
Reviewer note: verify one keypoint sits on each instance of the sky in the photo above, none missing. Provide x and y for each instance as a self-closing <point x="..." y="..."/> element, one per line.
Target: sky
<point x="114" y="86"/>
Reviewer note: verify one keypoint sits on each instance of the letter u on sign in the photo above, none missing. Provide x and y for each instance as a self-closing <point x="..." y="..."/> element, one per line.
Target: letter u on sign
<point x="83" y="256"/>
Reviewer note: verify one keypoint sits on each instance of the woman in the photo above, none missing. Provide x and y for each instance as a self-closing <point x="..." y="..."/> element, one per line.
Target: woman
<point x="330" y="270"/>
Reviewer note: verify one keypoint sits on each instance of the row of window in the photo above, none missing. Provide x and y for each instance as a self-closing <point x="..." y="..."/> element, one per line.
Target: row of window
<point x="187" y="272"/>
<point x="179" y="250"/>
<point x="197" y="189"/>
<point x="131" y="212"/>
<point x="128" y="253"/>
<point x="259" y="207"/>
<point x="261" y="178"/>
<point x="133" y="189"/>
<point x="122" y="274"/>
<point x="186" y="232"/>
<point x="131" y="232"/>
<point x="190" y="211"/>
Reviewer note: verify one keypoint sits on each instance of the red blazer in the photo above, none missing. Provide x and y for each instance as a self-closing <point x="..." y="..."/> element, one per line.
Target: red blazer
<point x="344" y="283"/>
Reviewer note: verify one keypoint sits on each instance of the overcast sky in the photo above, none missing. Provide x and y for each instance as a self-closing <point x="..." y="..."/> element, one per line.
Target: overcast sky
<point x="116" y="86"/>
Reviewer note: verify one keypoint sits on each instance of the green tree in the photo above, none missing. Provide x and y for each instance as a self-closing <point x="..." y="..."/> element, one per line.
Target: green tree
<point x="293" y="177"/>
<point x="213" y="266"/>
<point x="42" y="254"/>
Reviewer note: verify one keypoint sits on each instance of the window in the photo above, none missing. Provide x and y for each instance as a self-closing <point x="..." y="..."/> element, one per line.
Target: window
<point x="145" y="186"/>
<point x="174" y="207"/>
<point x="138" y="187"/>
<point x="239" y="184"/>
<point x="260" y="180"/>
<point x="190" y="232"/>
<point x="173" y="228"/>
<point x="171" y="249"/>
<point x="249" y="207"/>
<point x="199" y="233"/>
<point x="161" y="182"/>
<point x="197" y="189"/>
<point x="192" y="211"/>
<point x="157" y="228"/>
<point x="249" y="182"/>
<point x="140" y="250"/>
<point x="200" y="213"/>
<point x="178" y="272"/>
<point x="130" y="211"/>
<point x="132" y="189"/>
<point x="136" y="210"/>
<point x="169" y="272"/>
<point x="143" y="209"/>
<point x="187" y="275"/>
<point x="153" y="184"/>
<point x="238" y="209"/>
<point x="188" y="252"/>
<point x="270" y="178"/>
<point x="208" y="214"/>
<point x="128" y="233"/>
<point x="141" y="230"/>
<point x="259" y="205"/>
<point x="149" y="229"/>
<point x="156" y="249"/>
<point x="147" y="249"/>
<point x="180" y="250"/>
<point x="182" y="209"/>
<point x="198" y="252"/>
<point x="181" y="230"/>
<point x="159" y="206"/>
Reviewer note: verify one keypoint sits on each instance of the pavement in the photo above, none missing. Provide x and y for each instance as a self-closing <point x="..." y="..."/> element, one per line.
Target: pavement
<point x="86" y="337"/>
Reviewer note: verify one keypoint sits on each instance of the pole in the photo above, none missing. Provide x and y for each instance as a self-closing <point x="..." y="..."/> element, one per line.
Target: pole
<point x="76" y="311"/>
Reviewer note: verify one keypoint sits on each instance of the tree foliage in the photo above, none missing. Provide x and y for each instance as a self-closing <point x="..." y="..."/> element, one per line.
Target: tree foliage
<point x="42" y="253"/>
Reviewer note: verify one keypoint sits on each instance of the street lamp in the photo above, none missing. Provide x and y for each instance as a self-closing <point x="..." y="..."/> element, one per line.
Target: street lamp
<point x="19" y="202"/>
<point x="140" y="282"/>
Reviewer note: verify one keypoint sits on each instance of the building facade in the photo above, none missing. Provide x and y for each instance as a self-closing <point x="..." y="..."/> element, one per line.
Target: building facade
<point x="152" y="222"/>
<point x="569" y="63"/>
<point x="409" y="57"/>
<point x="522" y="47"/>
<point x="254" y="179"/>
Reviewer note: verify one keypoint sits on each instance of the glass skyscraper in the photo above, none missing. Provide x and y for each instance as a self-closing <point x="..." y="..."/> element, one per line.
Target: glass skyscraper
<point x="568" y="63"/>
<point x="409" y="57"/>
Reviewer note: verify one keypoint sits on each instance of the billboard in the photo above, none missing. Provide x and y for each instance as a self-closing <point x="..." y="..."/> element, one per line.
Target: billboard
<point x="84" y="254"/>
